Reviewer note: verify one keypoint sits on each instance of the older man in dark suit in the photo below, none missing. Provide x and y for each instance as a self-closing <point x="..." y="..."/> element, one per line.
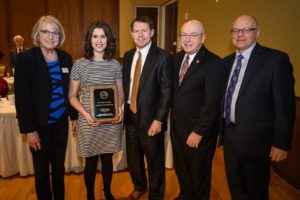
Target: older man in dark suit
<point x="195" y="111"/>
<point x="147" y="77"/>
<point x="18" y="40"/>
<point x="259" y="111"/>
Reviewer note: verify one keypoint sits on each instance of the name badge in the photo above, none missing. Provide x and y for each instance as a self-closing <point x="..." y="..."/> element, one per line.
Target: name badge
<point x="65" y="70"/>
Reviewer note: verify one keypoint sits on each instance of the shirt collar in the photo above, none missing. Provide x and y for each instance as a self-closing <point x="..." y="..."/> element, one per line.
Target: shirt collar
<point x="246" y="54"/>
<point x="191" y="56"/>
<point x="145" y="49"/>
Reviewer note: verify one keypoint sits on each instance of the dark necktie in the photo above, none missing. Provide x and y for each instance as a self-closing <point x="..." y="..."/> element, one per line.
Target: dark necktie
<point x="231" y="88"/>
<point x="184" y="68"/>
<point x="135" y="84"/>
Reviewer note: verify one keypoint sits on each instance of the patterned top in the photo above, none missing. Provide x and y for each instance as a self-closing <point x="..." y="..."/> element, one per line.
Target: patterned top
<point x="57" y="105"/>
<point x="105" y="138"/>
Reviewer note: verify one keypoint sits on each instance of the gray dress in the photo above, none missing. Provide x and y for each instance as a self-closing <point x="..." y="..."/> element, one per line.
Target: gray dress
<point x="105" y="138"/>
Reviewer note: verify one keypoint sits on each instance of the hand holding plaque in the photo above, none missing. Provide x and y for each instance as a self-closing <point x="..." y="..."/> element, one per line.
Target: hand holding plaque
<point x="104" y="103"/>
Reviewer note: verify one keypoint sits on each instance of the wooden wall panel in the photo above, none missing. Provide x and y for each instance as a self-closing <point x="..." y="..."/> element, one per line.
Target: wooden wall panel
<point x="19" y="17"/>
<point x="69" y="13"/>
<point x="4" y="30"/>
<point x="23" y="14"/>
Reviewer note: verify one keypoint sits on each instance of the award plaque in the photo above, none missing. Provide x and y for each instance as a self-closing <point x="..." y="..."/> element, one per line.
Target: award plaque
<point x="104" y="103"/>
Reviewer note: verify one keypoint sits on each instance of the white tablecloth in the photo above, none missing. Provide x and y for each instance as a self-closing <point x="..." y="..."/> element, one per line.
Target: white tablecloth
<point x="10" y="82"/>
<point x="15" y="156"/>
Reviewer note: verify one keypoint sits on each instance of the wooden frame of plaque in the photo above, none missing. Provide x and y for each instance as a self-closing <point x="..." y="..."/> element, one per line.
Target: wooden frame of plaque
<point x="104" y="103"/>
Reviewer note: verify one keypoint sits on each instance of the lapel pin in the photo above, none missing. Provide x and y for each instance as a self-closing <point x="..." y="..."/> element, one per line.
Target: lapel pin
<point x="197" y="61"/>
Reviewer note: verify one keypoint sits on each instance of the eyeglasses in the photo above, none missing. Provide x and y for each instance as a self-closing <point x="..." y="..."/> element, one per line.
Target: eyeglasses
<point x="191" y="36"/>
<point x="243" y="30"/>
<point x="47" y="33"/>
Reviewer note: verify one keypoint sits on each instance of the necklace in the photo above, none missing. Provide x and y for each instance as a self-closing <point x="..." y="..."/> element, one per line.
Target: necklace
<point x="51" y="58"/>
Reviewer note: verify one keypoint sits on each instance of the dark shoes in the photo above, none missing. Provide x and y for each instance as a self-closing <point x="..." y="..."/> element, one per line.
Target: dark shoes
<point x="178" y="198"/>
<point x="108" y="195"/>
<point x="135" y="195"/>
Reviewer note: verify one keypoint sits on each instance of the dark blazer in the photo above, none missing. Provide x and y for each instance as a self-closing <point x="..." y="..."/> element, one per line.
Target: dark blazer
<point x="265" y="107"/>
<point x="33" y="88"/>
<point x="1" y="54"/>
<point x="195" y="105"/>
<point x="155" y="88"/>
<point x="13" y="56"/>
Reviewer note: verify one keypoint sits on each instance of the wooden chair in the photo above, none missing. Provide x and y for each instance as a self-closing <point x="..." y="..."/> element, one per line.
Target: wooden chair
<point x="2" y="70"/>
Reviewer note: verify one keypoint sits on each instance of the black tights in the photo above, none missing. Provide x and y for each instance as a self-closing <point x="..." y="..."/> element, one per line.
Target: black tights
<point x="90" y="174"/>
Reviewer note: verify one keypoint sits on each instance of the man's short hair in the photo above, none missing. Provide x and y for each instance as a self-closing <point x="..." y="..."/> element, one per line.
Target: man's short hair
<point x="143" y="19"/>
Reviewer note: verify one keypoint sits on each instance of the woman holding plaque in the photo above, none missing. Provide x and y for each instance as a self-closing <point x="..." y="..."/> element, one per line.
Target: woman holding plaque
<point x="97" y="67"/>
<point x="41" y="92"/>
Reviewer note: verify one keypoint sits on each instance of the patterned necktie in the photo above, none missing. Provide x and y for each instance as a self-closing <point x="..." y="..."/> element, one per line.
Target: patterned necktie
<point x="184" y="68"/>
<point x="231" y="88"/>
<point x="135" y="84"/>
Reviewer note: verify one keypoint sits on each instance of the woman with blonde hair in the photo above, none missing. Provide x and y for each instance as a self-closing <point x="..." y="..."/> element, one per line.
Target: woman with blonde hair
<point x="41" y="91"/>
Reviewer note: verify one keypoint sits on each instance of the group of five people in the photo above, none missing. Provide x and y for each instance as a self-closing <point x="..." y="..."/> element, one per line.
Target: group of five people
<point x="247" y="99"/>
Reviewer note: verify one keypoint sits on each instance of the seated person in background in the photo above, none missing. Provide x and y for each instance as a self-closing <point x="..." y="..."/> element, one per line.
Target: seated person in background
<point x="18" y="40"/>
<point x="3" y="87"/>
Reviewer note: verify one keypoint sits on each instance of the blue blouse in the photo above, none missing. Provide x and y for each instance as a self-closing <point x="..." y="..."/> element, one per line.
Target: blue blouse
<point x="57" y="105"/>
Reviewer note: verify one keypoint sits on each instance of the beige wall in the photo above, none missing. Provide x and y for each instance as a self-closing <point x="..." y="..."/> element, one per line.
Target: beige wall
<point x="279" y="23"/>
<point x="126" y="16"/>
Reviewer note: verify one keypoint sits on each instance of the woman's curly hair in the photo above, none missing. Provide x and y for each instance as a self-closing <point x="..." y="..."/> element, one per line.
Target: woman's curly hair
<point x="110" y="49"/>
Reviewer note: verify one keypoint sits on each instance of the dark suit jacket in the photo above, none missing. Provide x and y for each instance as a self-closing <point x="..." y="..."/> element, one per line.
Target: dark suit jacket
<point x="196" y="102"/>
<point x="13" y="56"/>
<point x="155" y="88"/>
<point x="1" y="54"/>
<point x="265" y="107"/>
<point x="33" y="88"/>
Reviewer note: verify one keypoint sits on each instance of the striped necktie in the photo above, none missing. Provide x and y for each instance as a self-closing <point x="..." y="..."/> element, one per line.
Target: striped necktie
<point x="231" y="88"/>
<point x="184" y="68"/>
